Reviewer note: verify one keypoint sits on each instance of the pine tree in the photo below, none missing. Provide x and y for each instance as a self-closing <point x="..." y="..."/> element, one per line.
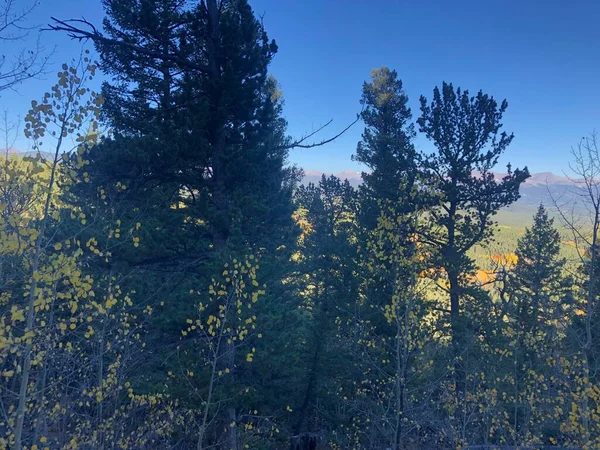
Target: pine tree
<point x="390" y="303"/>
<point x="466" y="132"/>
<point x="197" y="155"/>
<point x="538" y="298"/>
<point x="538" y="279"/>
<point x="199" y="123"/>
<point x="328" y="284"/>
<point x="386" y="147"/>
<point x="391" y="188"/>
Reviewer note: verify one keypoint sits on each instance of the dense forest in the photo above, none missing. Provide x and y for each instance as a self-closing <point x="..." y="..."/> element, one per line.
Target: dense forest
<point x="167" y="281"/>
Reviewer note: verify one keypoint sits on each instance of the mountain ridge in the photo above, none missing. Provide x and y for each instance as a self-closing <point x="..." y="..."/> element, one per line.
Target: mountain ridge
<point x="536" y="179"/>
<point x="541" y="188"/>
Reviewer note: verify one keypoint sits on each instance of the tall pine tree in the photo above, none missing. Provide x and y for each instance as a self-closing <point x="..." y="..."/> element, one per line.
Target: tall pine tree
<point x="197" y="155"/>
<point x="466" y="132"/>
<point x="386" y="147"/>
<point x="538" y="298"/>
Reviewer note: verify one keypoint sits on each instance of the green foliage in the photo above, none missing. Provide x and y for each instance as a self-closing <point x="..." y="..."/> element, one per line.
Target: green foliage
<point x="386" y="147"/>
<point x="167" y="285"/>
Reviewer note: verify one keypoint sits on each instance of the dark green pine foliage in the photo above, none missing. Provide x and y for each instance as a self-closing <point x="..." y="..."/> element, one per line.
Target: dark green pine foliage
<point x="391" y="202"/>
<point x="197" y="124"/>
<point x="328" y="284"/>
<point x="197" y="155"/>
<point x="386" y="147"/>
<point x="539" y="285"/>
<point x="391" y="187"/>
<point x="467" y="134"/>
<point x="198" y="139"/>
<point x="537" y="298"/>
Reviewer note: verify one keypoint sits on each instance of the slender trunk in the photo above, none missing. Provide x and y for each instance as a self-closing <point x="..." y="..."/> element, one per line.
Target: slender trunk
<point x="402" y="355"/>
<point x="31" y="301"/>
<point x="211" y="384"/>
<point x="399" y="388"/>
<point x="308" y="392"/>
<point x="100" y="375"/>
<point x="229" y="440"/>
<point x="457" y="334"/>
<point x="312" y="378"/>
<point x="319" y="339"/>
<point x="455" y="319"/>
<point x="41" y="419"/>
<point x="587" y="348"/>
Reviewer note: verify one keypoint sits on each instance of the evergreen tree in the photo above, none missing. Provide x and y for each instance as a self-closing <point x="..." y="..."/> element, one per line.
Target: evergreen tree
<point x="391" y="188"/>
<point x="197" y="156"/>
<point x="200" y="121"/>
<point x="390" y="302"/>
<point x="539" y="283"/>
<point x="466" y="132"/>
<point x="538" y="297"/>
<point x="386" y="147"/>
<point x="328" y="285"/>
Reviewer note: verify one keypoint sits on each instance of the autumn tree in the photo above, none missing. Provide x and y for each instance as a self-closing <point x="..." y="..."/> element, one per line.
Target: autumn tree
<point x="581" y="218"/>
<point x="67" y="338"/>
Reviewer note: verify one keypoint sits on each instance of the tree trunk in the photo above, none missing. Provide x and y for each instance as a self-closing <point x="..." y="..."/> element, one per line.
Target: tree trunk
<point x="305" y="441"/>
<point x="227" y="424"/>
<point x="21" y="408"/>
<point x="457" y="334"/>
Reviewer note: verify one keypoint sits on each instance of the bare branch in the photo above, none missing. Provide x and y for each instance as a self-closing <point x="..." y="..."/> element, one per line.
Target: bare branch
<point x="82" y="29"/>
<point x="25" y="63"/>
<point x="301" y="143"/>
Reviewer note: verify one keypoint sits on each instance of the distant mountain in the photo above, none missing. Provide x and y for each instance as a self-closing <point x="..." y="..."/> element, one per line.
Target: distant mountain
<point x="542" y="187"/>
<point x="14" y="151"/>
<point x="543" y="179"/>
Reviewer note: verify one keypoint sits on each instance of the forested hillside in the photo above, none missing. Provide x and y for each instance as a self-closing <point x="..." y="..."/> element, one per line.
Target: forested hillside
<point x="168" y="281"/>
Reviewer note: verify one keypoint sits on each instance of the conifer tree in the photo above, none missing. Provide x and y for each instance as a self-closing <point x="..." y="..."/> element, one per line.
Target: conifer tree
<point x="466" y="132"/>
<point x="390" y="302"/>
<point x="386" y="147"/>
<point x="539" y="283"/>
<point x="538" y="297"/>
<point x="197" y="124"/>
<point x="198" y="151"/>
<point x="328" y="283"/>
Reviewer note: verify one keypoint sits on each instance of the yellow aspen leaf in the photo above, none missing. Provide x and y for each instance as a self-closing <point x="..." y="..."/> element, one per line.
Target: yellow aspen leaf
<point x="16" y="314"/>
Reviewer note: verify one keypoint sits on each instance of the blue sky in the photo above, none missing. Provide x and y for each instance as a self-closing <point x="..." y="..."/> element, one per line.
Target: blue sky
<point x="541" y="55"/>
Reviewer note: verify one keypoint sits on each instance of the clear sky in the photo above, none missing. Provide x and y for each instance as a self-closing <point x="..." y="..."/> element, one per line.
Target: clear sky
<point x="543" y="56"/>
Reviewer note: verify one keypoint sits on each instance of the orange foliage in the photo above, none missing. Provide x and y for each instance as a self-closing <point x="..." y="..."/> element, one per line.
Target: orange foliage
<point x="507" y="260"/>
